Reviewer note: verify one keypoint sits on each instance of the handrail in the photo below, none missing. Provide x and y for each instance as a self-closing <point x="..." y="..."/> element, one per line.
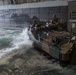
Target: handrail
<point x="26" y="1"/>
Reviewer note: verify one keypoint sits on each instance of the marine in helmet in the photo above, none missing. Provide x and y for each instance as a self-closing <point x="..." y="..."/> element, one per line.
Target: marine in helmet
<point x="55" y="20"/>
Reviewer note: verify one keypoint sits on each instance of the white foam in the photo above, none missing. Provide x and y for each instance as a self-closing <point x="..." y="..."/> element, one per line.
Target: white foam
<point x="18" y="41"/>
<point x="22" y="39"/>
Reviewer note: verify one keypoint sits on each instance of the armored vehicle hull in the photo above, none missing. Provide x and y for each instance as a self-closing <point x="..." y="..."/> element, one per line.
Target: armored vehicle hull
<point x="56" y="43"/>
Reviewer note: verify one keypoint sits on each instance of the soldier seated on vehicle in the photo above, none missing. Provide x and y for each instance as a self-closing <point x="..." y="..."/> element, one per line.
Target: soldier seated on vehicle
<point x="55" y="20"/>
<point x="34" y="23"/>
<point x="60" y="24"/>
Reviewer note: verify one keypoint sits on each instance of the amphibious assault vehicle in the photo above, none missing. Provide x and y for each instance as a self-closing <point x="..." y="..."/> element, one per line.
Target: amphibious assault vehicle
<point x="57" y="42"/>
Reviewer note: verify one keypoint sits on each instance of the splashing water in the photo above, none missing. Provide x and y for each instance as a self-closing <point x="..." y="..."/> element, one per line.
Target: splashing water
<point x="13" y="39"/>
<point x="22" y="39"/>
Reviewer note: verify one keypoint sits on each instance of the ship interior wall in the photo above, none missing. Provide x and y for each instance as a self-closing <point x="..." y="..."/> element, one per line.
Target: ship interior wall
<point x="72" y="16"/>
<point x="19" y="17"/>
